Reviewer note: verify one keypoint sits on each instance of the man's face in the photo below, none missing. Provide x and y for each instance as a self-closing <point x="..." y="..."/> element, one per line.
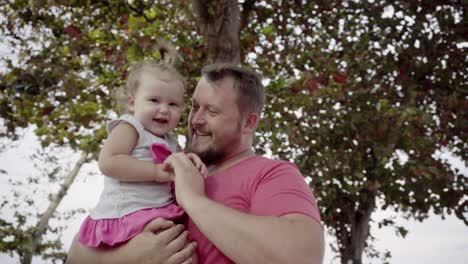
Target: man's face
<point x="214" y="120"/>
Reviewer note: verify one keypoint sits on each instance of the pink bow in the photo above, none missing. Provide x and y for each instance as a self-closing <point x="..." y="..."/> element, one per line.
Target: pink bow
<point x="159" y="152"/>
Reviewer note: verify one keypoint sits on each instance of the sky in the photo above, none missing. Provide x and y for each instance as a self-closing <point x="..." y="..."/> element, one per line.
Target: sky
<point x="434" y="241"/>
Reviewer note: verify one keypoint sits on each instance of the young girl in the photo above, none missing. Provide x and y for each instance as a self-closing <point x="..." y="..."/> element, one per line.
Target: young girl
<point x="137" y="187"/>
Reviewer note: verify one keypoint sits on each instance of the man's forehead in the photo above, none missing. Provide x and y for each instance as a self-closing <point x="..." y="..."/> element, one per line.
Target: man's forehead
<point x="218" y="93"/>
<point x="227" y="83"/>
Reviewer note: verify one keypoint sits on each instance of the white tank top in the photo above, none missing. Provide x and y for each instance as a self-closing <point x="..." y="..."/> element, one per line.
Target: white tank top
<point x="120" y="198"/>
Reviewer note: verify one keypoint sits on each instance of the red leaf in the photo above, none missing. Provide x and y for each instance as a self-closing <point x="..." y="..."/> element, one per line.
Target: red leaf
<point x="10" y="26"/>
<point x="47" y="110"/>
<point x="73" y="31"/>
<point x="452" y="104"/>
<point x="108" y="54"/>
<point x="339" y="78"/>
<point x="323" y="80"/>
<point x="403" y="73"/>
<point x="373" y="186"/>
<point x="119" y="62"/>
<point x="185" y="50"/>
<point x="340" y="98"/>
<point x="124" y="75"/>
<point x="144" y="42"/>
<point x="295" y="90"/>
<point x="312" y="85"/>
<point x="124" y="18"/>
<point x="417" y="172"/>
<point x="379" y="131"/>
<point x="307" y="75"/>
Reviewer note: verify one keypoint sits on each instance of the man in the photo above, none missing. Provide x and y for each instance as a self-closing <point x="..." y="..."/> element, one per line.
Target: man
<point x="249" y="210"/>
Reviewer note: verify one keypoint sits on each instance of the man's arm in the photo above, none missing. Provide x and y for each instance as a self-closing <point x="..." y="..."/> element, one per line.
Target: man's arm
<point x="151" y="246"/>
<point x="244" y="238"/>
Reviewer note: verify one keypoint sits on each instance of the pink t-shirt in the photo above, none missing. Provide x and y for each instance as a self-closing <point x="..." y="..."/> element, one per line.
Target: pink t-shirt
<point x="257" y="186"/>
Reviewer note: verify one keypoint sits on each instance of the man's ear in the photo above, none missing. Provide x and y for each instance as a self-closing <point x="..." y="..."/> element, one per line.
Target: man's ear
<point x="131" y="104"/>
<point x="251" y="122"/>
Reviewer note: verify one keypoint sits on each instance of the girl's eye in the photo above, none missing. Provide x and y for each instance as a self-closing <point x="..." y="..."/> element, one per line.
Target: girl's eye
<point x="154" y="100"/>
<point x="173" y="104"/>
<point x="212" y="112"/>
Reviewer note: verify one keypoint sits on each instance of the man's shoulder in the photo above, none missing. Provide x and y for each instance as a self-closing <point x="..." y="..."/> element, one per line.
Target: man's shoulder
<point x="267" y="160"/>
<point x="271" y="163"/>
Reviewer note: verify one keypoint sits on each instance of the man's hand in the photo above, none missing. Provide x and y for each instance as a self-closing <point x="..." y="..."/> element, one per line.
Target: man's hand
<point x="161" y="242"/>
<point x="198" y="164"/>
<point x="171" y="245"/>
<point x="189" y="183"/>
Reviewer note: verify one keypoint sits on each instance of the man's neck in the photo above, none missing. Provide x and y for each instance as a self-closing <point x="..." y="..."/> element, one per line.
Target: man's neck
<point x="230" y="161"/>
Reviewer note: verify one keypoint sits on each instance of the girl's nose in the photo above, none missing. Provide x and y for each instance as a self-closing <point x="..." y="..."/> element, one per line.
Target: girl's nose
<point x="163" y="108"/>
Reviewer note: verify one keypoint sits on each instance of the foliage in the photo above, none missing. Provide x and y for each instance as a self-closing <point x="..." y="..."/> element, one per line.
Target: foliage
<point x="73" y="55"/>
<point x="353" y="86"/>
<point x="22" y="209"/>
<point x="374" y="82"/>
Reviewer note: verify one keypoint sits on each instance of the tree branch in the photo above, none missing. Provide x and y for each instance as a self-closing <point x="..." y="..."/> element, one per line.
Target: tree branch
<point x="43" y="223"/>
<point x="247" y="6"/>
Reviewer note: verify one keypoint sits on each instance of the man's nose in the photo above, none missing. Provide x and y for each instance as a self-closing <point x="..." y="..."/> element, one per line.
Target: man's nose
<point x="197" y="118"/>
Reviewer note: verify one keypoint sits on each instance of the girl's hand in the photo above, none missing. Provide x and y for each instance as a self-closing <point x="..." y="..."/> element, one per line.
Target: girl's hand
<point x="189" y="183"/>
<point x="163" y="173"/>
<point x="198" y="164"/>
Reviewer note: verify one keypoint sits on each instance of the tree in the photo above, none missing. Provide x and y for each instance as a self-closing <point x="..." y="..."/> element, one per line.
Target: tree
<point x="352" y="87"/>
<point x="25" y="224"/>
<point x="375" y="80"/>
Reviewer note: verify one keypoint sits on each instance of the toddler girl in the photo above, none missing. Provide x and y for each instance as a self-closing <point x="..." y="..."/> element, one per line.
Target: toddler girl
<point x="137" y="184"/>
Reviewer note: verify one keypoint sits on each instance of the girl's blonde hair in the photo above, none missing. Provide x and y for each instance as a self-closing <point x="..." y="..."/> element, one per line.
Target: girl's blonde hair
<point x="164" y="69"/>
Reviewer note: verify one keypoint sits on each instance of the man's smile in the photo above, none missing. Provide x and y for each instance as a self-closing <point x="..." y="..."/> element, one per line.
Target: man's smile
<point x="201" y="134"/>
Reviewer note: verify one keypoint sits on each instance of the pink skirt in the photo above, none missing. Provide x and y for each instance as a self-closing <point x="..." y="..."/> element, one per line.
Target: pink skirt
<point x="109" y="232"/>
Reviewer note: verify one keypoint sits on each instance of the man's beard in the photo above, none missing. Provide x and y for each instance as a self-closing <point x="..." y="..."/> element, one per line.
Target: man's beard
<point x="211" y="155"/>
<point x="216" y="151"/>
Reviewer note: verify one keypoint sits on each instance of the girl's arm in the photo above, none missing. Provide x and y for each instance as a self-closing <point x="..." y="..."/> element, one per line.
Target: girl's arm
<point x="115" y="160"/>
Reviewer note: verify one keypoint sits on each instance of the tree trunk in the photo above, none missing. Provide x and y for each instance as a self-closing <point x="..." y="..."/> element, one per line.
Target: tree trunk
<point x="219" y="24"/>
<point x="355" y="242"/>
<point x="43" y="223"/>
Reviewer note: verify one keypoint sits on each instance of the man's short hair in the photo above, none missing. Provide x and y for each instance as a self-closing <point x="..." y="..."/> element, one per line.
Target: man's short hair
<point x="251" y="93"/>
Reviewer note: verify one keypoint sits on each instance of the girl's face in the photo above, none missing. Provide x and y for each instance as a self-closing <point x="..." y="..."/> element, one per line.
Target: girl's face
<point x="157" y="102"/>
